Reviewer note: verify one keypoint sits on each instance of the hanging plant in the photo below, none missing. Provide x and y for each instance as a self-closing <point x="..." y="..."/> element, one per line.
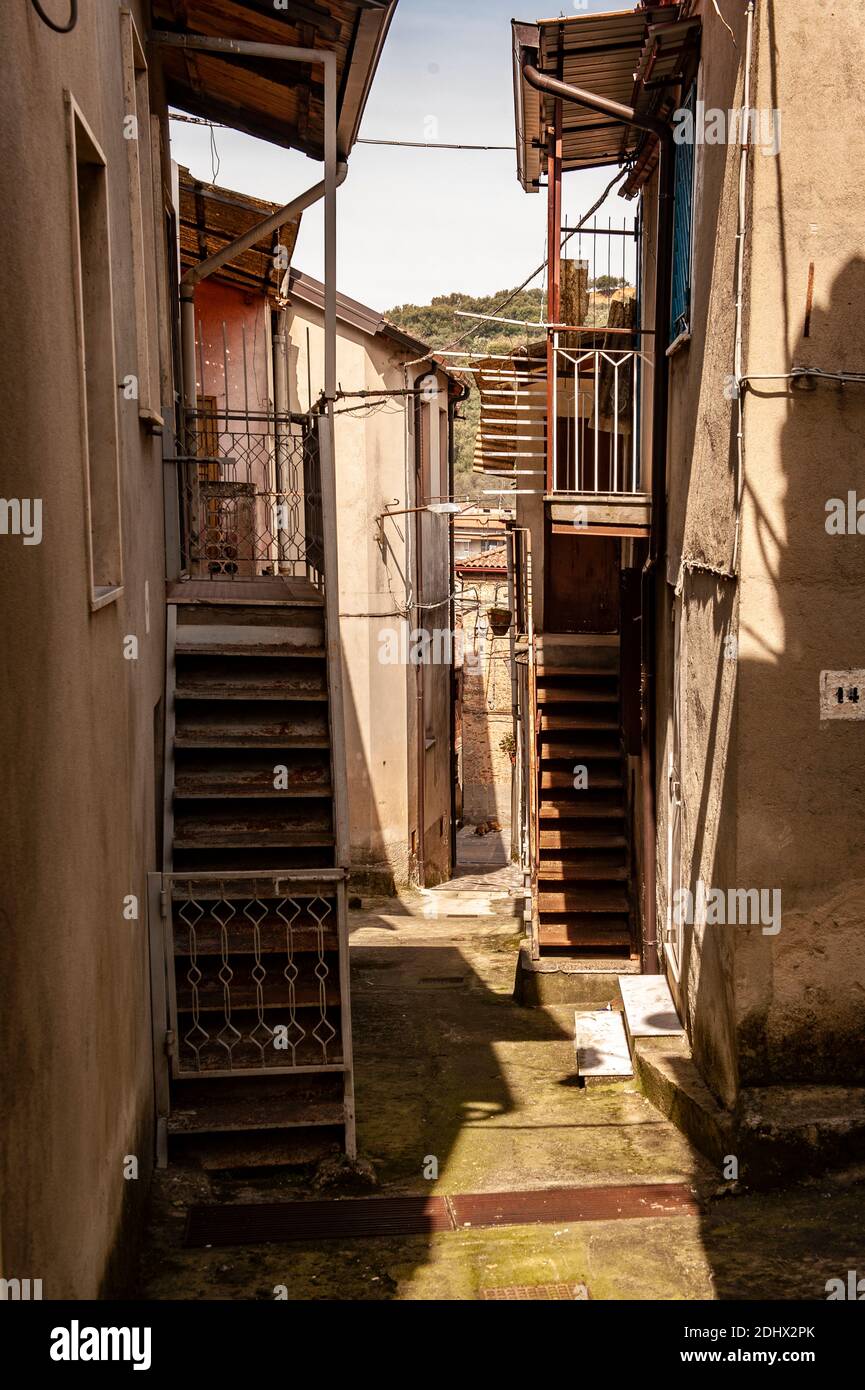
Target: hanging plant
<point x="499" y="620"/>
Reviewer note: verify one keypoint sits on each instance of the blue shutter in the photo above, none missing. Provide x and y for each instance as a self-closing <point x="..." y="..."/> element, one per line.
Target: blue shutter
<point x="682" y="209"/>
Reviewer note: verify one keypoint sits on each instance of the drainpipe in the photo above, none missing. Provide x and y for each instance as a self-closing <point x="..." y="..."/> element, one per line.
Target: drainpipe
<point x="335" y="172"/>
<point x="281" y="405"/>
<point x="431" y="375"/>
<point x="563" y="91"/>
<point x="457" y="393"/>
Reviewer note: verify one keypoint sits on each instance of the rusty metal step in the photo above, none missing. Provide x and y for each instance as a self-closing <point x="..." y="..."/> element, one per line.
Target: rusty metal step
<point x="584" y="932"/>
<point x="213" y="1064"/>
<point x="239" y="939"/>
<point x="584" y="900"/>
<point x="557" y="779"/>
<point x="244" y="684"/>
<point x="582" y="807"/>
<point x="220" y="827"/>
<point x="261" y="727"/>
<point x="565" y="871"/>
<point x="585" y="838"/>
<point x="252" y="776"/>
<point x="553" y="750"/>
<point x="233" y="640"/>
<point x="276" y="993"/>
<point x="578" y="721"/>
<point x="227" y="1115"/>
<point x="547" y="673"/>
<point x="555" y="696"/>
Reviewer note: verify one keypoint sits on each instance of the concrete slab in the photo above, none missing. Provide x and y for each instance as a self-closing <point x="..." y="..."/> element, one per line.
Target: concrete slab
<point x="601" y="1044"/>
<point x="649" y="1008"/>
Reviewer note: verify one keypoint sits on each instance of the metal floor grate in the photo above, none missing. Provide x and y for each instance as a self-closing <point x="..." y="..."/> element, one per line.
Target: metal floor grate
<point x="536" y="1292"/>
<point x="257" y="1223"/>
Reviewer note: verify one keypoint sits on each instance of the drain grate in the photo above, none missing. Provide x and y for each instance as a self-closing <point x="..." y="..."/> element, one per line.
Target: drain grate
<point x="572" y="1204"/>
<point x="255" y="1223"/>
<point x="537" y="1292"/>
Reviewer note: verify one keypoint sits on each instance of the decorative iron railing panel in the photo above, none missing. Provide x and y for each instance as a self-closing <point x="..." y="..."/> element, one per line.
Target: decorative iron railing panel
<point x="250" y="496"/>
<point x="596" y="443"/>
<point x="253" y="970"/>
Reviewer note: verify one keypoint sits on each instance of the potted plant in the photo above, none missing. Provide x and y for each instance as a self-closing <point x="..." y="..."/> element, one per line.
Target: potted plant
<point x="499" y="620"/>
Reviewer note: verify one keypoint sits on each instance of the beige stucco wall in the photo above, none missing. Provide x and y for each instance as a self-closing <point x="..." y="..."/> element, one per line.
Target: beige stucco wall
<point x="375" y="470"/>
<point x="78" y="720"/>
<point x="800" y="995"/>
<point x="768" y="789"/>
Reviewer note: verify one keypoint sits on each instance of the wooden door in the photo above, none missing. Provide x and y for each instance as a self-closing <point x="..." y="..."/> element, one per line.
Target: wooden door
<point x="581" y="583"/>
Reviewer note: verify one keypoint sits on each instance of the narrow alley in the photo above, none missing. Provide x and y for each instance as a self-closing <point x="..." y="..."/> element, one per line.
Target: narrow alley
<point x="432" y="689"/>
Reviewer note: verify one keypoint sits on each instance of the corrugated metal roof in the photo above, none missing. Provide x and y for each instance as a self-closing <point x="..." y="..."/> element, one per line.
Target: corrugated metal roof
<point x="275" y="100"/>
<point x="609" y="54"/>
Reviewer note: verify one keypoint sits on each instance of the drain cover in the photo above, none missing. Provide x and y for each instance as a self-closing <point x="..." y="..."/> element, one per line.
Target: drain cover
<point x="537" y="1292"/>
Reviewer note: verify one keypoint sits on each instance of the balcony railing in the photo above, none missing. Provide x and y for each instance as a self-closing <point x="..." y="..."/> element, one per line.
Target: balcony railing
<point x="594" y="442"/>
<point x="249" y="496"/>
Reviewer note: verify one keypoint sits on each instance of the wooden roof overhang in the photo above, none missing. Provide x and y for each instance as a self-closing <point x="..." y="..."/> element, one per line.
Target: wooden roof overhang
<point x="272" y="99"/>
<point x="212" y="217"/>
<point x="633" y="57"/>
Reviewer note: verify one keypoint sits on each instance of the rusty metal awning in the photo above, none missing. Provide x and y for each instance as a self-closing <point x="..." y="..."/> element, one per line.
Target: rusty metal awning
<point x="276" y="101"/>
<point x="615" y="55"/>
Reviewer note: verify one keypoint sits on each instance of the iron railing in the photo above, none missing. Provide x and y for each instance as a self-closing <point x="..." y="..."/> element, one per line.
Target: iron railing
<point x="595" y="445"/>
<point x="249" y="494"/>
<point x="254" y="973"/>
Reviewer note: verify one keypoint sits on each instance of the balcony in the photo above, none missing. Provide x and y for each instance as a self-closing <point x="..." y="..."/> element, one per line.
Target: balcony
<point x="594" y="464"/>
<point x="589" y="468"/>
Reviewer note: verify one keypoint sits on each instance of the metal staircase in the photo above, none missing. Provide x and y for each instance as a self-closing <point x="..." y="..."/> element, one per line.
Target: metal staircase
<point x="582" y="872"/>
<point x="249" y="951"/>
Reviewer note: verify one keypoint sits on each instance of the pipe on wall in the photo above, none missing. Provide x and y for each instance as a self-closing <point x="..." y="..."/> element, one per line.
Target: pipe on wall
<point x="334" y="174"/>
<point x="563" y="91"/>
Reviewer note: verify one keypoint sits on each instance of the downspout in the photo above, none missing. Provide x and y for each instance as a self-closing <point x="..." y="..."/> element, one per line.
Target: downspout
<point x="455" y="397"/>
<point x="196" y="273"/>
<point x="418" y="596"/>
<point x="281" y="406"/>
<point x="335" y="172"/>
<point x="563" y="91"/>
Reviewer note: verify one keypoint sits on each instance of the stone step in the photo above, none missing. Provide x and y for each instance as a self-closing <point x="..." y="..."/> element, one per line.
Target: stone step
<point x="649" y="1008"/>
<point x="601" y="1045"/>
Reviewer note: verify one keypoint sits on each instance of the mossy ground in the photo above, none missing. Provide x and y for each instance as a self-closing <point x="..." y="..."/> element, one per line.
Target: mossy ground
<point x="449" y="1068"/>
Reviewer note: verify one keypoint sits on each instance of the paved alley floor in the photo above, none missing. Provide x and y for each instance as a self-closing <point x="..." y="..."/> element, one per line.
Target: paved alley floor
<point x="455" y="1079"/>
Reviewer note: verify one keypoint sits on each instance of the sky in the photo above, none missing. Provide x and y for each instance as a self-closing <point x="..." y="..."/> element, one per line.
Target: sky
<point x="413" y="223"/>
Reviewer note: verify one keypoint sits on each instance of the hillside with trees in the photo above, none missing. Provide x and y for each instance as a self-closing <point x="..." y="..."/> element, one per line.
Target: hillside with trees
<point x="439" y="325"/>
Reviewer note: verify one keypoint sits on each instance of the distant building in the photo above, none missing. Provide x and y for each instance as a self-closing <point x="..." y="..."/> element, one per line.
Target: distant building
<point x="485" y="698"/>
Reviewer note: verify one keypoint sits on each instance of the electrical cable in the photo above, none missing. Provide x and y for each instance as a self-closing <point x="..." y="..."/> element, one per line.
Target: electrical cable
<point x="620" y="174"/>
<point x="52" y="24"/>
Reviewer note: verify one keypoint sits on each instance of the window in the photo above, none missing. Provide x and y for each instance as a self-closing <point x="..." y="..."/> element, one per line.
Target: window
<point x="95" y="333"/>
<point x="683" y="201"/>
<point x="136" y="130"/>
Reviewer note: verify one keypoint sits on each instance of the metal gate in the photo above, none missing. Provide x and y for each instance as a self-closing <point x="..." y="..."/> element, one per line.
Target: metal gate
<point x="249" y="978"/>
